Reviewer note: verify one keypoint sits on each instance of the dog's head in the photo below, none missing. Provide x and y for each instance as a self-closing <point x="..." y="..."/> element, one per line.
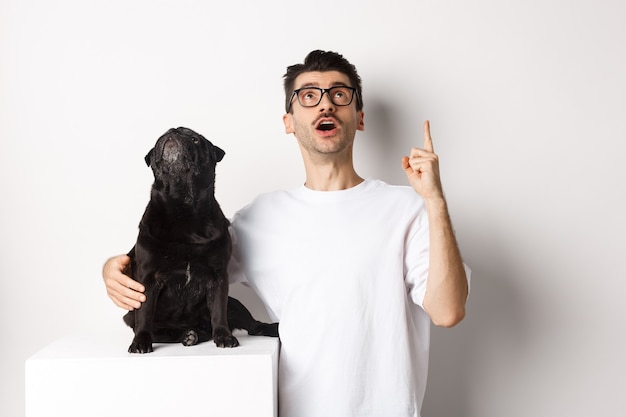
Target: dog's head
<point x="183" y="163"/>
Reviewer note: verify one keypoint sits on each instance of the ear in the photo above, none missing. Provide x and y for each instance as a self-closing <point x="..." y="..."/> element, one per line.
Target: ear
<point x="360" y="121"/>
<point x="148" y="157"/>
<point x="288" y="122"/>
<point x="219" y="153"/>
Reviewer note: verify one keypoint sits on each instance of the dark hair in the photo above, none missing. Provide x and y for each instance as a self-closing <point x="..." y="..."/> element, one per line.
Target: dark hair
<point x="322" y="61"/>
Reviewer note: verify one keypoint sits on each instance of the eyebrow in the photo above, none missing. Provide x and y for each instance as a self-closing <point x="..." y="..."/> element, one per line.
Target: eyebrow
<point x="315" y="84"/>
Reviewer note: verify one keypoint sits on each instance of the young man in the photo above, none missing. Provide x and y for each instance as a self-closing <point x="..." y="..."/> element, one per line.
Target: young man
<point x="354" y="270"/>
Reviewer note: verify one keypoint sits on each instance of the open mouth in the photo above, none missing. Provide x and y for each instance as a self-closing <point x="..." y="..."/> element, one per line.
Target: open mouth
<point x="326" y="125"/>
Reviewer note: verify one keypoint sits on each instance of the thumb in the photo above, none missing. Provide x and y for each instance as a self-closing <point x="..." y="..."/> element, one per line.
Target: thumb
<point x="406" y="166"/>
<point x="123" y="260"/>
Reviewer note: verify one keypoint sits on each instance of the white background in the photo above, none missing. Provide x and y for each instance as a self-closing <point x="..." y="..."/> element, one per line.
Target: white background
<point x="527" y="101"/>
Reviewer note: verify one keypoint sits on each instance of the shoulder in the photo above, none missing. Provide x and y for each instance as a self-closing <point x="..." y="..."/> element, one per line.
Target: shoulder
<point x="394" y="194"/>
<point x="263" y="204"/>
<point x="399" y="205"/>
<point x="268" y="199"/>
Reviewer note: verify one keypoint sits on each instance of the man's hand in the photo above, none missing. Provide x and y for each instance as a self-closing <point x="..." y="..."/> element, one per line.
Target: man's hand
<point x="447" y="286"/>
<point x="123" y="290"/>
<point x="422" y="168"/>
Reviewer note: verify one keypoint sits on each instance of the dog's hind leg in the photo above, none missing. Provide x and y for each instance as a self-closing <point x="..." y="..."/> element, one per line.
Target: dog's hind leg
<point x="264" y="329"/>
<point x="190" y="338"/>
<point x="239" y="317"/>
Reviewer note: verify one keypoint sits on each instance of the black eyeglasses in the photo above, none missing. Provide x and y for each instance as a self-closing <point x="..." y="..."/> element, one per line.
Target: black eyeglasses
<point x="341" y="95"/>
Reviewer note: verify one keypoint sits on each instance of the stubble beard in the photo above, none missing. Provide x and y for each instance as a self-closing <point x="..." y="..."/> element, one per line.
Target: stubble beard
<point x="316" y="144"/>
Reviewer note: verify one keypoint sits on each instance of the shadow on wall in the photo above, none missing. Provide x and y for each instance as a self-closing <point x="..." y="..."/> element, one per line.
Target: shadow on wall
<point x="477" y="348"/>
<point x="379" y="149"/>
<point x="472" y="351"/>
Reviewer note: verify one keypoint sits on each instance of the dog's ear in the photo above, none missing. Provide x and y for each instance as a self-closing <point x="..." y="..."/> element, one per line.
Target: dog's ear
<point x="148" y="157"/>
<point x="219" y="153"/>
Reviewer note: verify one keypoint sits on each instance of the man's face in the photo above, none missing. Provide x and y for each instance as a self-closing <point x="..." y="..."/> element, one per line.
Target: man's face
<point x="327" y="128"/>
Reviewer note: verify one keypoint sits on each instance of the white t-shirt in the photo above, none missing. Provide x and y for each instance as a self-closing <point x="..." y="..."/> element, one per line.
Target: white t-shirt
<point x="344" y="272"/>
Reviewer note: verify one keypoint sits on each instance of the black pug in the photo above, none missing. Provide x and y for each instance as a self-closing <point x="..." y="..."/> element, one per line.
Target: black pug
<point x="182" y="252"/>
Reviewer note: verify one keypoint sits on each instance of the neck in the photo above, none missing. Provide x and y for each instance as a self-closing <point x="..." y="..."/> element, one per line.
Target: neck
<point x="331" y="175"/>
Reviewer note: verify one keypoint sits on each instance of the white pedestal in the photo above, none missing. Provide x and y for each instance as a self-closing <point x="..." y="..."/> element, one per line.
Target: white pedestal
<point x="95" y="376"/>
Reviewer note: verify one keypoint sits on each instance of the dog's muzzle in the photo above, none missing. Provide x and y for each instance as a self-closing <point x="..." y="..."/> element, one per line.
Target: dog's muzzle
<point x="171" y="150"/>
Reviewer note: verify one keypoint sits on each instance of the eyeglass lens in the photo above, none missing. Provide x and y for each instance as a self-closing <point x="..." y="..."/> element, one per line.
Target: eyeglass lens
<point x="311" y="96"/>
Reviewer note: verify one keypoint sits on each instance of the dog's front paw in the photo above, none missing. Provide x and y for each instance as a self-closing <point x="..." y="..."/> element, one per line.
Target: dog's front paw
<point x="226" y="341"/>
<point x="142" y="343"/>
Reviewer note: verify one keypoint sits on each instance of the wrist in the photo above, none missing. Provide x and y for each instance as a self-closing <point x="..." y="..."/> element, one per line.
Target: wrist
<point x="435" y="202"/>
<point x="437" y="209"/>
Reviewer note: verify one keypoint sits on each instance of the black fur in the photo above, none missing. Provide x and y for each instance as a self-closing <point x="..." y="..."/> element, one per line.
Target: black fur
<point x="182" y="252"/>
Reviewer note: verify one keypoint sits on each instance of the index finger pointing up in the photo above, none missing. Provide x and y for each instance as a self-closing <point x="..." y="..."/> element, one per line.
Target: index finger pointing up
<point x="428" y="140"/>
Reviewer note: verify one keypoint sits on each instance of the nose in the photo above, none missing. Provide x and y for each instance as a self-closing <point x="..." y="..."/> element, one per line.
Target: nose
<point x="326" y="103"/>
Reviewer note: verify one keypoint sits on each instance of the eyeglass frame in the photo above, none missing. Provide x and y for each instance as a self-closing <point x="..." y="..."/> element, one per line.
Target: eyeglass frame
<point x="323" y="91"/>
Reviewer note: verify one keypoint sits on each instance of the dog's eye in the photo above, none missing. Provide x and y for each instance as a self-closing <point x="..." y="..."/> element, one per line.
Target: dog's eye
<point x="195" y="140"/>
